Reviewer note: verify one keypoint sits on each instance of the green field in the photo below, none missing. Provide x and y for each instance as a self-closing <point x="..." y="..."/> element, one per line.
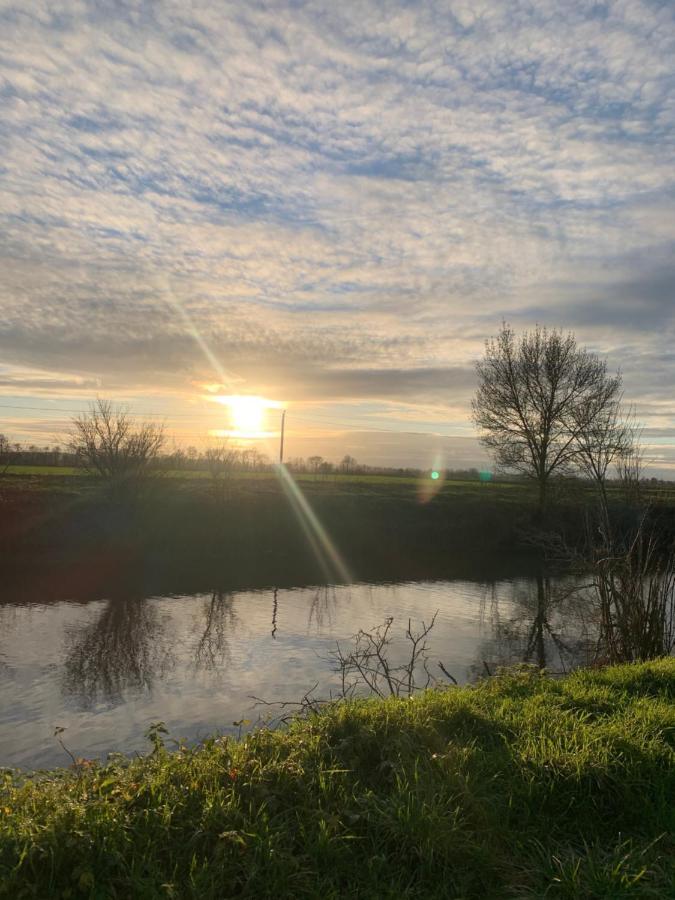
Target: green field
<point x="521" y="786"/>
<point x="357" y="478"/>
<point x="338" y="478"/>
<point x="48" y="472"/>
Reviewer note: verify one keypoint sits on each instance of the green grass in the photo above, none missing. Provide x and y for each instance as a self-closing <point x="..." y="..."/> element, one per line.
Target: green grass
<point x="519" y="787"/>
<point x="43" y="470"/>
<point x="523" y="489"/>
<point x="332" y="478"/>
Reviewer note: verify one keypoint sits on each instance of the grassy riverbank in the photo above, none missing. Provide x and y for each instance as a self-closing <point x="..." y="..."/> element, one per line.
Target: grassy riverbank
<point x="185" y="535"/>
<point x="521" y="786"/>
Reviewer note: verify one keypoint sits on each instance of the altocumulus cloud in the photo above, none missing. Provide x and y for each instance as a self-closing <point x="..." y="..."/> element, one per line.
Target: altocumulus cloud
<point x="345" y="199"/>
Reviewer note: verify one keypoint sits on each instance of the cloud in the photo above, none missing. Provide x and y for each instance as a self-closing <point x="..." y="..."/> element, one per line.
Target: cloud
<point x="343" y="199"/>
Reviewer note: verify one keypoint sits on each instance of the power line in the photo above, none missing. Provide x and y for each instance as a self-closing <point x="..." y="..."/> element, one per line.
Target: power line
<point x="79" y="411"/>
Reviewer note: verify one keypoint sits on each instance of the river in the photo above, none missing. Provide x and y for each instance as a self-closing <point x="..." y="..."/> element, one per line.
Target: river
<point x="103" y="670"/>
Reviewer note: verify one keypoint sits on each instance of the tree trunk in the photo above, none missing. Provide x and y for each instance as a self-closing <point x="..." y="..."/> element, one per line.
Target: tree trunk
<point x="542" y="496"/>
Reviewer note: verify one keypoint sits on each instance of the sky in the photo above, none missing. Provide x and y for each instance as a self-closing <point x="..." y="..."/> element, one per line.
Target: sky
<point x="331" y="205"/>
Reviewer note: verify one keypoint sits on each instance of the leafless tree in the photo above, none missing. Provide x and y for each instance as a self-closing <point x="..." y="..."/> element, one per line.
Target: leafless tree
<point x="220" y="461"/>
<point x="252" y="459"/>
<point x="315" y="463"/>
<point x="630" y="462"/>
<point x="605" y="436"/>
<point x="5" y="454"/>
<point x="535" y="395"/>
<point x="107" y="442"/>
<point x="347" y="464"/>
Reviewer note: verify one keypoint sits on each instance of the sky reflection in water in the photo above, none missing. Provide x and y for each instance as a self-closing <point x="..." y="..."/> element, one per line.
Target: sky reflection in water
<point x="105" y="669"/>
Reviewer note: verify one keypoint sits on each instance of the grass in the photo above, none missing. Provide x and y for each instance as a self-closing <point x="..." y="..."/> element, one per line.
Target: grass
<point x="521" y="786"/>
<point x="74" y="529"/>
<point x="332" y="478"/>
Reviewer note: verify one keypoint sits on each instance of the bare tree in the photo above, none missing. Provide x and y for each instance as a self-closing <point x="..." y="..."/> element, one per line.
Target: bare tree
<point x="5" y="454"/>
<point x="630" y="462"/>
<point x="347" y="464"/>
<point x="220" y="461"/>
<point x="315" y="463"/>
<point x="535" y="395"/>
<point x="107" y="442"/>
<point x="605" y="436"/>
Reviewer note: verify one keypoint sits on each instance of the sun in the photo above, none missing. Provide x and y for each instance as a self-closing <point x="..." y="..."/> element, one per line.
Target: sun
<point x="247" y="416"/>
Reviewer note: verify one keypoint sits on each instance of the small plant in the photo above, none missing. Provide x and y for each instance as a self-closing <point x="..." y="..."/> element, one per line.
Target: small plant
<point x="368" y="667"/>
<point x="368" y="663"/>
<point x="155" y="734"/>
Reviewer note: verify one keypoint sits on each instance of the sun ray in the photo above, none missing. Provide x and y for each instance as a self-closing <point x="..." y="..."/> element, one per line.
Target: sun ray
<point x="327" y="554"/>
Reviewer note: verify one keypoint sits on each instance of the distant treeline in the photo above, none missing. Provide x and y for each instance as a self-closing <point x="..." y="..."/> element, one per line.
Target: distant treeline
<point x="248" y="459"/>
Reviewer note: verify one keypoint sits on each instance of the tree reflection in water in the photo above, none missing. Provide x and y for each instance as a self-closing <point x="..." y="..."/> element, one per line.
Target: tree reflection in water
<point x="550" y="626"/>
<point x="212" y="650"/>
<point x="322" y="608"/>
<point x="123" y="651"/>
<point x="8" y="619"/>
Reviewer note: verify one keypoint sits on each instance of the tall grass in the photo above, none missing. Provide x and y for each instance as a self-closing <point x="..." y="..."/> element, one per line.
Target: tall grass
<point x="636" y="591"/>
<point x="522" y="786"/>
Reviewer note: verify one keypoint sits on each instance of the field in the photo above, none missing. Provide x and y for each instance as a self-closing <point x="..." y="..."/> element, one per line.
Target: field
<point x="332" y="478"/>
<point x="521" y="786"/>
<point x="45" y="474"/>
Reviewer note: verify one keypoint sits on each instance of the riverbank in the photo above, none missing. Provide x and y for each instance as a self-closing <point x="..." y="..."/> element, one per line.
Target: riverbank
<point x="187" y="535"/>
<point x="520" y="786"/>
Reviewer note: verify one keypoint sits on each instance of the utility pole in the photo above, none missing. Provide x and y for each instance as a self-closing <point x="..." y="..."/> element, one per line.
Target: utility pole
<point x="281" y="442"/>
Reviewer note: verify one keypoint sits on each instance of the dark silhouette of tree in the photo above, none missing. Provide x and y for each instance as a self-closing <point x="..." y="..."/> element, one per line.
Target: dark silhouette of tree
<point x="315" y="463"/>
<point x="538" y="396"/>
<point x="5" y="454"/>
<point x="107" y="442"/>
<point x="347" y="464"/>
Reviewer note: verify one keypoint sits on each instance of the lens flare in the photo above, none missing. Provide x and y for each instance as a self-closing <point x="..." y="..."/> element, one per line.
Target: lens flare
<point x="431" y="483"/>
<point x="327" y="555"/>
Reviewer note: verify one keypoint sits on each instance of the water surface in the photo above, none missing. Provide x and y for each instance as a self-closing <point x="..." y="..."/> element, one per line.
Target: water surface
<point x="105" y="669"/>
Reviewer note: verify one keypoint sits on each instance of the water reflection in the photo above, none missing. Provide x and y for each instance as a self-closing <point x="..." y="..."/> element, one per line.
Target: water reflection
<point x="123" y="651"/>
<point x="212" y="649"/>
<point x="104" y="669"/>
<point x="275" y="611"/>
<point x="550" y="624"/>
<point x="322" y="608"/>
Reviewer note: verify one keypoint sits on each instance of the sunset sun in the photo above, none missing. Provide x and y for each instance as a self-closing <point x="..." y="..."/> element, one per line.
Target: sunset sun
<point x="247" y="416"/>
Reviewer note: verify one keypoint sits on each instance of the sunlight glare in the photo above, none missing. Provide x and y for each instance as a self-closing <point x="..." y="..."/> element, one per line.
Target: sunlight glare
<point x="247" y="416"/>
